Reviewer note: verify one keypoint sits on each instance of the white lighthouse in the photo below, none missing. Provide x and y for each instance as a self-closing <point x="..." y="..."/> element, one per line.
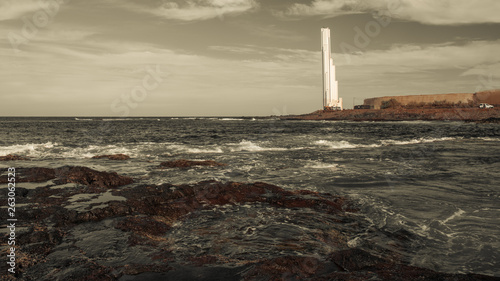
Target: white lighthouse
<point x="331" y="100"/>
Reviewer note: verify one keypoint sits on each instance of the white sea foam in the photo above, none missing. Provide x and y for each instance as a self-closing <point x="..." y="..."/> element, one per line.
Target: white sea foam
<point x="26" y="149"/>
<point x="455" y="215"/>
<point x="54" y="150"/>
<point x="252" y="147"/>
<point x="202" y="150"/>
<point x="181" y="148"/>
<point x="488" y="139"/>
<point x="86" y="152"/>
<point x="138" y="150"/>
<point x="146" y="149"/>
<point x="231" y="119"/>
<point x="415" y="141"/>
<point x="121" y="119"/>
<point x="353" y="243"/>
<point x="335" y="144"/>
<point x="322" y="165"/>
<point x="342" y="144"/>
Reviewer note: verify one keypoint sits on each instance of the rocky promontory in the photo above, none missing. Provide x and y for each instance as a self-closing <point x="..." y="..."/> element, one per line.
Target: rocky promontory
<point x="404" y="114"/>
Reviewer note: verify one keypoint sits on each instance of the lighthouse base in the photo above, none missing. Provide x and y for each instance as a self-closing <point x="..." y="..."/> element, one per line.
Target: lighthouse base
<point x="334" y="105"/>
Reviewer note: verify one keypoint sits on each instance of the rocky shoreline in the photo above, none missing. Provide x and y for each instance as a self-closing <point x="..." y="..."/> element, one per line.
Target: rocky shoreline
<point x="83" y="224"/>
<point x="490" y="115"/>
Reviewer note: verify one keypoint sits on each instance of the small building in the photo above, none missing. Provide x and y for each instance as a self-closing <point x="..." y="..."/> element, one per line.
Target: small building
<point x="362" y="106"/>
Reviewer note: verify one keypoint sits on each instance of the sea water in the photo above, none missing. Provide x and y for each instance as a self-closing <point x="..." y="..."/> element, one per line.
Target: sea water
<point x="437" y="181"/>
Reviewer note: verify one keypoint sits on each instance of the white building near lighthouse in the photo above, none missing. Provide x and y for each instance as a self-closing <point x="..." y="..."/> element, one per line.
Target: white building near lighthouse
<point x="331" y="100"/>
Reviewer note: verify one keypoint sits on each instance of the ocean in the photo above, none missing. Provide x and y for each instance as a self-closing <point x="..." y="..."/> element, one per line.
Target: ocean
<point x="437" y="182"/>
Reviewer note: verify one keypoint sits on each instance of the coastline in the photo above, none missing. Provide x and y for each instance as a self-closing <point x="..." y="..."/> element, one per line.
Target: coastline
<point x="491" y="115"/>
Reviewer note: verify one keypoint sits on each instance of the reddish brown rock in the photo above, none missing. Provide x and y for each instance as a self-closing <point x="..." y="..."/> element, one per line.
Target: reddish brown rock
<point x="354" y="259"/>
<point x="11" y="157"/>
<point x="203" y="260"/>
<point x="357" y="264"/>
<point x="285" y="268"/>
<point x="182" y="163"/>
<point x="147" y="216"/>
<point x="31" y="175"/>
<point x="348" y="265"/>
<point x="144" y="225"/>
<point x="170" y="203"/>
<point x="402" y="114"/>
<point x="113" y="157"/>
<point x="81" y="175"/>
<point x="93" y="178"/>
<point x="135" y="269"/>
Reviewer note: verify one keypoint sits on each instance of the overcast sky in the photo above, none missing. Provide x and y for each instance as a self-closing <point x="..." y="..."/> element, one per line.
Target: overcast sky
<point x="236" y="57"/>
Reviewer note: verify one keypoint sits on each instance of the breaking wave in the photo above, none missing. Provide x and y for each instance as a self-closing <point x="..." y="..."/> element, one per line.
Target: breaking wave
<point x="26" y="149"/>
<point x="231" y="119"/>
<point x="252" y="147"/>
<point x="135" y="150"/>
<point x="341" y="144"/>
<point x="347" y="145"/>
<point x="416" y="141"/>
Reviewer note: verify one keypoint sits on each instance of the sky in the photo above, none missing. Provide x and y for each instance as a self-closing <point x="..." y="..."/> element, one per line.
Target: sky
<point x="236" y="57"/>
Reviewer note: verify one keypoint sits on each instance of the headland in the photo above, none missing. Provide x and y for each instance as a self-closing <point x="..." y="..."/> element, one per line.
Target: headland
<point x="444" y="107"/>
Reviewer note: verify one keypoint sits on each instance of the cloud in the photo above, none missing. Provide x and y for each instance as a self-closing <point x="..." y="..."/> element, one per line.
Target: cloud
<point x="196" y="10"/>
<point x="38" y="9"/>
<point x="84" y="77"/>
<point x="15" y="9"/>
<point x="442" y="12"/>
<point x="405" y="58"/>
<point x="237" y="50"/>
<point x="413" y="69"/>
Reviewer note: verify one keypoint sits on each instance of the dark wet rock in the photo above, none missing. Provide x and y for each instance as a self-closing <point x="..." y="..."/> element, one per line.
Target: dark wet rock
<point x="93" y="178"/>
<point x="170" y="202"/>
<point x="80" y="270"/>
<point x="134" y="269"/>
<point x="358" y="264"/>
<point x="11" y="157"/>
<point x="354" y="259"/>
<point x="32" y="175"/>
<point x="80" y="175"/>
<point x="182" y="163"/>
<point x="286" y="268"/>
<point x="189" y="273"/>
<point x="203" y="260"/>
<point x="113" y="157"/>
<point x="349" y="265"/>
<point x="144" y="225"/>
<point x="134" y="238"/>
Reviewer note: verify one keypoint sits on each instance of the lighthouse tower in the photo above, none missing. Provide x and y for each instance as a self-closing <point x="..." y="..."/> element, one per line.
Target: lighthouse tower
<point x="331" y="100"/>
